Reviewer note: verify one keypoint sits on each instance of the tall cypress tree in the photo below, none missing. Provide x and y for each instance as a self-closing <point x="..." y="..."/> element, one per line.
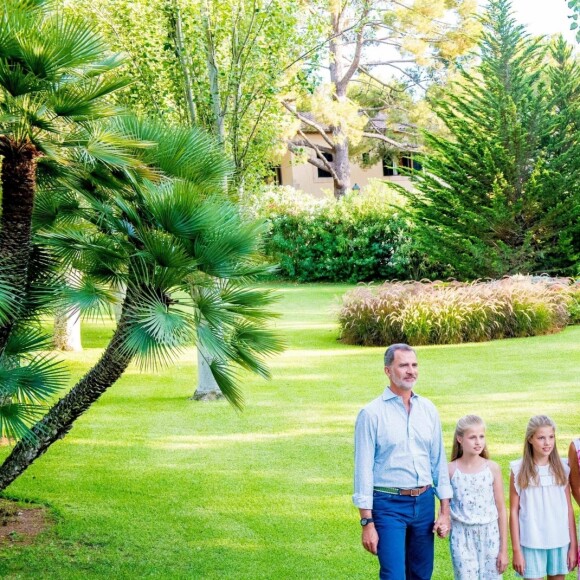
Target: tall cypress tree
<point x="481" y="207"/>
<point x="561" y="252"/>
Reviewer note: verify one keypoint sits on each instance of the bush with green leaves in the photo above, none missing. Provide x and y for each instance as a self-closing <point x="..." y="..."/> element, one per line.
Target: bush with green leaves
<point x="421" y="313"/>
<point x="359" y="238"/>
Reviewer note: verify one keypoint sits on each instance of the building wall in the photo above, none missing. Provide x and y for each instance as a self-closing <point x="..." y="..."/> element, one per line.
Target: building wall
<point x="304" y="176"/>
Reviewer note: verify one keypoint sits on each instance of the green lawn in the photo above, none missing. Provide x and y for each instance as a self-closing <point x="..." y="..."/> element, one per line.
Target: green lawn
<point x="149" y="484"/>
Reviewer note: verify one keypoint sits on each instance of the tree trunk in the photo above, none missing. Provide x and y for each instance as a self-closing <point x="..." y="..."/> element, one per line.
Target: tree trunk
<point x="341" y="166"/>
<point x="207" y="387"/>
<point x="59" y="420"/>
<point x="18" y="189"/>
<point x="213" y="75"/>
<point x="184" y="60"/>
<point x="67" y="331"/>
<point x="67" y="323"/>
<point x="341" y="162"/>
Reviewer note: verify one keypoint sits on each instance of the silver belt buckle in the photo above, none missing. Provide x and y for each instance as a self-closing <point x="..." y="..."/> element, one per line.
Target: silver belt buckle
<point x="415" y="492"/>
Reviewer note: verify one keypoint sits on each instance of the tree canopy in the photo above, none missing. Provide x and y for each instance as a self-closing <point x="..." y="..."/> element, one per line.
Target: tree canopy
<point x="125" y="202"/>
<point x="500" y="195"/>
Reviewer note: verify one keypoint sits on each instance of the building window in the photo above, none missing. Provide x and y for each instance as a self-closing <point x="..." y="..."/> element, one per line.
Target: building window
<point x="274" y="175"/>
<point x="323" y="172"/>
<point x="409" y="162"/>
<point x="388" y="167"/>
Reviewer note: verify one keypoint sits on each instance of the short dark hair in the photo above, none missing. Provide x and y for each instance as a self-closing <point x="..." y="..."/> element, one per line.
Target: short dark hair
<point x="390" y="352"/>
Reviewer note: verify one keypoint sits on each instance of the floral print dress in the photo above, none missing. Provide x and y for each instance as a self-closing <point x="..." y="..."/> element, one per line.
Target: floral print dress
<point x="474" y="539"/>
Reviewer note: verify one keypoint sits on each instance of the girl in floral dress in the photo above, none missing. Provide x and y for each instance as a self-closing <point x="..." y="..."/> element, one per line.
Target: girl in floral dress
<point x="478" y="537"/>
<point x="574" y="463"/>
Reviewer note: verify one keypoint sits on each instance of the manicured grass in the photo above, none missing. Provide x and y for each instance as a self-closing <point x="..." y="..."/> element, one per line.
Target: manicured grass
<point x="150" y="484"/>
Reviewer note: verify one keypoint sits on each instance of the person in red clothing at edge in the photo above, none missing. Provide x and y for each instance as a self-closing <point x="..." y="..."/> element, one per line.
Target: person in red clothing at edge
<point x="400" y="466"/>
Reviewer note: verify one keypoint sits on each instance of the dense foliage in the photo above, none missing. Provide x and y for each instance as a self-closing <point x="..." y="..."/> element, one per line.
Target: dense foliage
<point x="136" y="207"/>
<point x="361" y="237"/>
<point x="220" y="65"/>
<point x="437" y="313"/>
<point x="501" y="195"/>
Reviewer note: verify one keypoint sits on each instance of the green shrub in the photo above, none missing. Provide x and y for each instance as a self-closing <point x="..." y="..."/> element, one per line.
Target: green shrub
<point x="361" y="237"/>
<point x="421" y="313"/>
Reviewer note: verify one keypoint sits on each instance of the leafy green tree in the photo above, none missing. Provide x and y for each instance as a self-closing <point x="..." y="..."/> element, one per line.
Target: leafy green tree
<point x="218" y="64"/>
<point x="493" y="196"/>
<point x="141" y="208"/>
<point x="427" y="35"/>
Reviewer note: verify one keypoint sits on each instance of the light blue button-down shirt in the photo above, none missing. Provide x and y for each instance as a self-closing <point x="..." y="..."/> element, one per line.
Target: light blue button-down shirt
<point x="393" y="448"/>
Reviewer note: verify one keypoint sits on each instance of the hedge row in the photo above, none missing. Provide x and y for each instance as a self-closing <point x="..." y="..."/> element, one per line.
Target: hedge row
<point x="421" y="313"/>
<point x="357" y="239"/>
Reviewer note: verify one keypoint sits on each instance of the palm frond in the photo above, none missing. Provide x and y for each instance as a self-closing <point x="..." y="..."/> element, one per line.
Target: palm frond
<point x="180" y="210"/>
<point x="247" y="301"/>
<point x="88" y="297"/>
<point x="34" y="382"/>
<point x="83" y="102"/>
<point x="60" y="46"/>
<point x="15" y="80"/>
<point x="8" y="300"/>
<point x="228" y="381"/>
<point x="24" y="340"/>
<point x="157" y="331"/>
<point x="15" y="419"/>
<point x="52" y="206"/>
<point x="185" y="153"/>
<point x="164" y="250"/>
<point x="212" y="341"/>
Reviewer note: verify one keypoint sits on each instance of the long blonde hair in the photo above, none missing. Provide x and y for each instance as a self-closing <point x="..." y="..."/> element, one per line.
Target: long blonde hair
<point x="528" y="474"/>
<point x="462" y="425"/>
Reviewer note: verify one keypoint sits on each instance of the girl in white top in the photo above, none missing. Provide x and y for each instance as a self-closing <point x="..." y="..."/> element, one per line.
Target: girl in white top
<point x="478" y="539"/>
<point x="541" y="517"/>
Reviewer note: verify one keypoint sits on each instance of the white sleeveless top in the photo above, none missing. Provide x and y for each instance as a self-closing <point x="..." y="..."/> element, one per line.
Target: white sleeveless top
<point x="473" y="501"/>
<point x="543" y="510"/>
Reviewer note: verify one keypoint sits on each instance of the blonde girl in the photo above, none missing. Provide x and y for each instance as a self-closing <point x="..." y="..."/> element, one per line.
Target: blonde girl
<point x="478" y="539"/>
<point x="541" y="517"/>
<point x="574" y="463"/>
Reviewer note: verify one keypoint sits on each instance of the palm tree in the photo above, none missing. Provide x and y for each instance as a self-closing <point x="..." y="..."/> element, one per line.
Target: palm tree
<point x="136" y="205"/>
<point x="55" y="76"/>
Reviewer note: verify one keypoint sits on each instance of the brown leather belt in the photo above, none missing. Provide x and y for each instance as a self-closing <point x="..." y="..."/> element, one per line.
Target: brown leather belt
<point x="413" y="492"/>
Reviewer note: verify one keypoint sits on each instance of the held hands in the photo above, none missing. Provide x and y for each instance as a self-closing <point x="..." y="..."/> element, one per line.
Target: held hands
<point x="370" y="538"/>
<point x="442" y="525"/>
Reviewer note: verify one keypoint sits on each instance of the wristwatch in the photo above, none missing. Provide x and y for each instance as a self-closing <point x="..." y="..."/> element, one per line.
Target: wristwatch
<point x="365" y="521"/>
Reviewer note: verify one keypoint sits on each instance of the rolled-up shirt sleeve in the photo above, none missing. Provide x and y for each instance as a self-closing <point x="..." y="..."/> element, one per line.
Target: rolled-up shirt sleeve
<point x="439" y="469"/>
<point x="365" y="433"/>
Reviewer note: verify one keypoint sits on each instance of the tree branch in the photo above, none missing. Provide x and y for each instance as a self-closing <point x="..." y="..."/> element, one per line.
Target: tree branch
<point x="319" y="161"/>
<point x="397" y="144"/>
<point x="313" y="124"/>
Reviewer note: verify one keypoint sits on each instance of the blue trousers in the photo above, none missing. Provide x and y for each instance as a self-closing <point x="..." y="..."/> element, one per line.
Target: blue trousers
<point x="405" y="528"/>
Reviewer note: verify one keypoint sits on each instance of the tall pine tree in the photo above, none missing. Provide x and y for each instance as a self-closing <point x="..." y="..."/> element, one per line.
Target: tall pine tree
<point x="562" y="181"/>
<point x="493" y="195"/>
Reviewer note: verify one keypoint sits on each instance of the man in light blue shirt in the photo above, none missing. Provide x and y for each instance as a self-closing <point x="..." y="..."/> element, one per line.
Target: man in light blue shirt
<point x="399" y="466"/>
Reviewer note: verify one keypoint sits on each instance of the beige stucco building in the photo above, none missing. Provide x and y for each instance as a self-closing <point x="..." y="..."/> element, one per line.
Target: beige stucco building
<point x="310" y="179"/>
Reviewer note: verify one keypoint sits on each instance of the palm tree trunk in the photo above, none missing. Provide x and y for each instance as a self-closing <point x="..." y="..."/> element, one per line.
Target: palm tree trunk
<point x="18" y="189"/>
<point x="59" y="420"/>
<point x="207" y="387"/>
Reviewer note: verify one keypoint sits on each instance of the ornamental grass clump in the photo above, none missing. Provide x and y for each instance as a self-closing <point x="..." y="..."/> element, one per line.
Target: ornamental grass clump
<point x="420" y="313"/>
